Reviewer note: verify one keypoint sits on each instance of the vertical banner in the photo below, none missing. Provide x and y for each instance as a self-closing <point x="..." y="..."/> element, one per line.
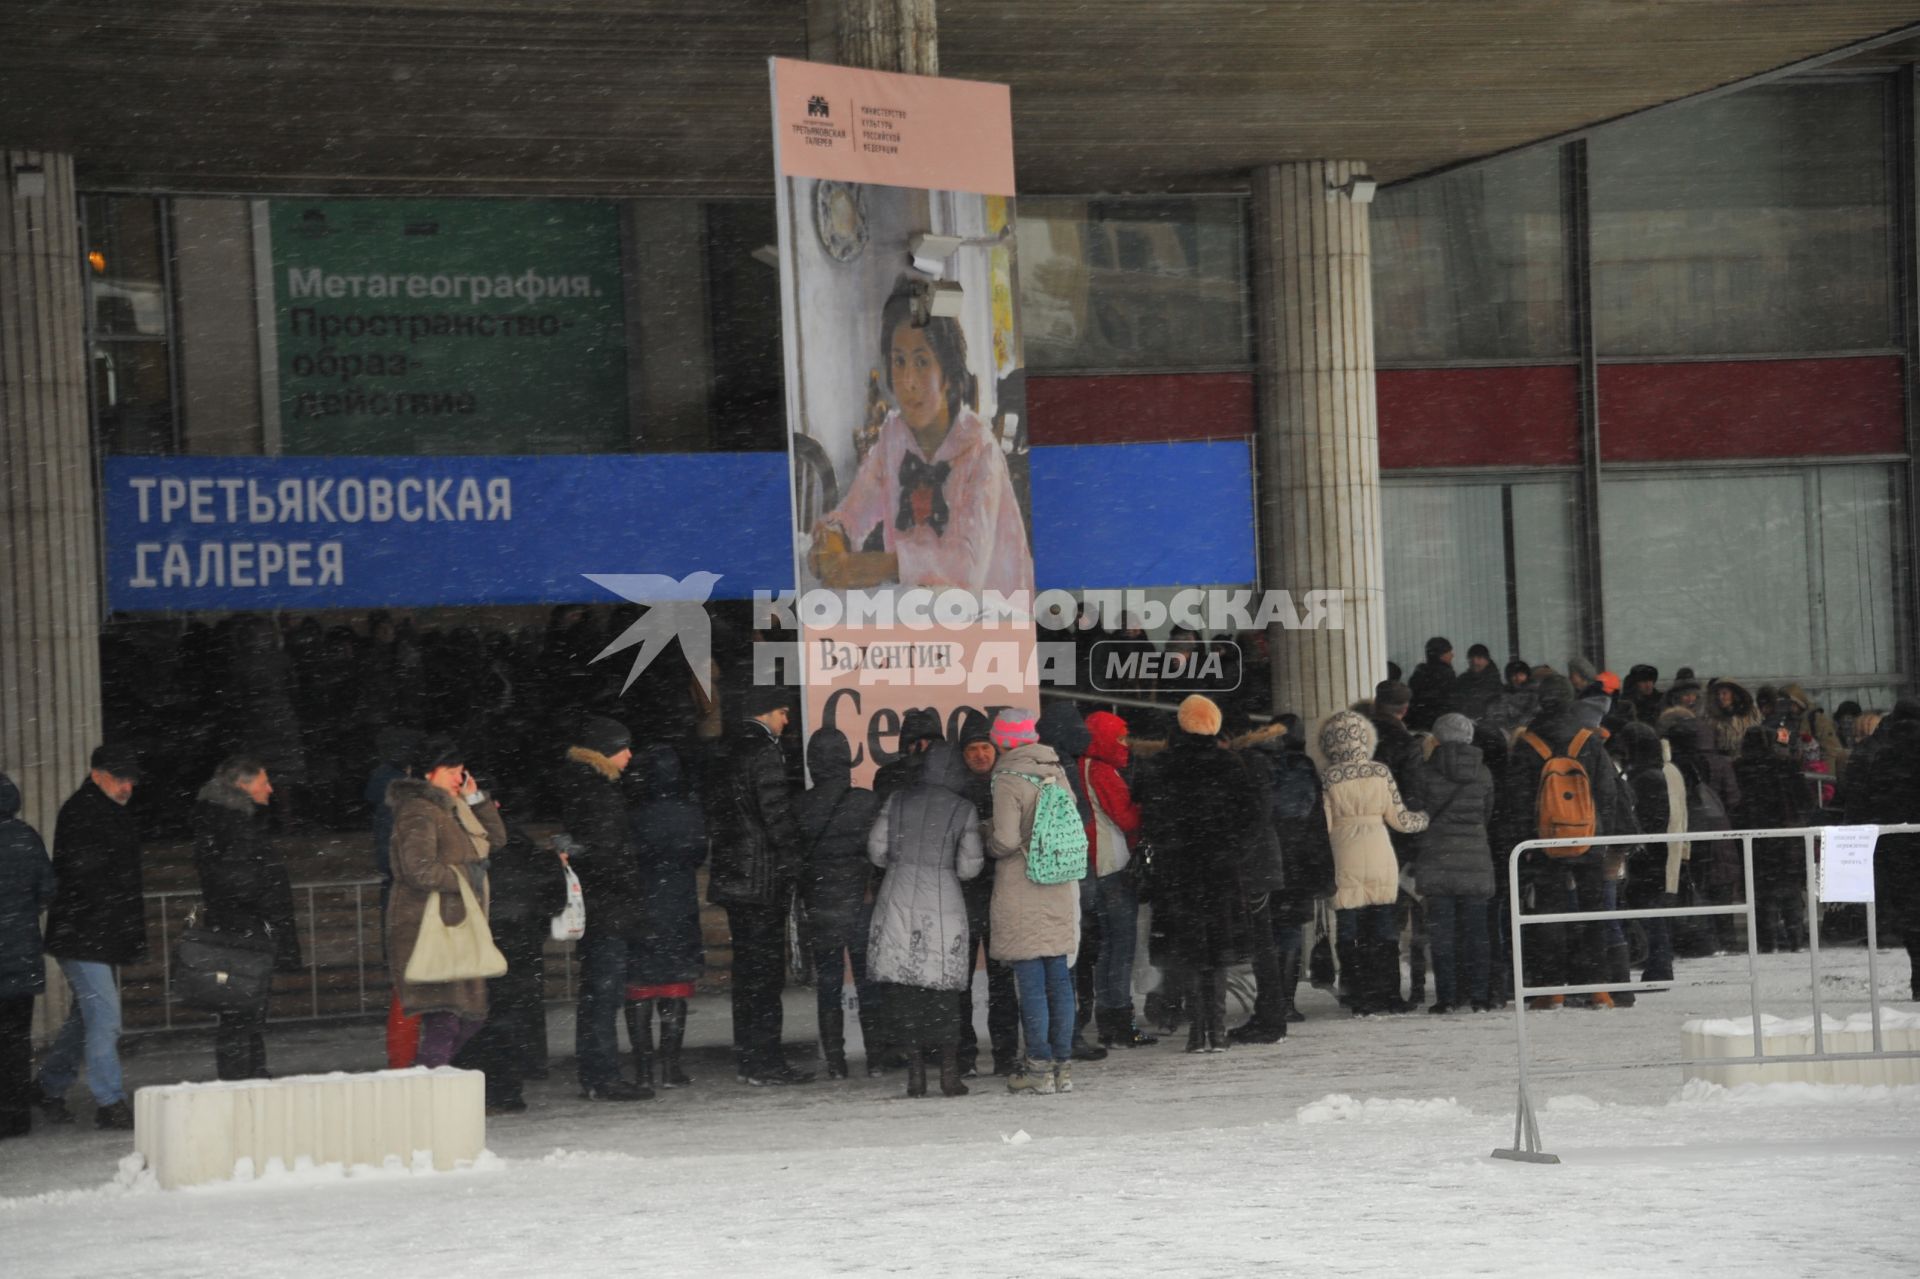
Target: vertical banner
<point x="905" y="400"/>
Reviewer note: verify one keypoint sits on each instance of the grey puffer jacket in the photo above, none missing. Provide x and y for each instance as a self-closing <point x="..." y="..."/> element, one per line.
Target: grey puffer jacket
<point x="1455" y="857"/>
<point x="927" y="839"/>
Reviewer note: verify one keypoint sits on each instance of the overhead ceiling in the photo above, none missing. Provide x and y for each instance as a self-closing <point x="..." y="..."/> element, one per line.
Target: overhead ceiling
<point x="647" y="97"/>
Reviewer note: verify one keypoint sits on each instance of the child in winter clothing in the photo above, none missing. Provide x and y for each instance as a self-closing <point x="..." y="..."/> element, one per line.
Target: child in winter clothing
<point x="1362" y="802"/>
<point x="1455" y="866"/>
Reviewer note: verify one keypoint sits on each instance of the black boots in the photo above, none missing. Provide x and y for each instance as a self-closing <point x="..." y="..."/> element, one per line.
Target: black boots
<point x="950" y="1082"/>
<point x="833" y="1039"/>
<point x="917" y="1074"/>
<point x="640" y="1031"/>
<point x="1209" y="1031"/>
<point x="1620" y="968"/>
<point x="673" y="1033"/>
<point x="1119" y="1030"/>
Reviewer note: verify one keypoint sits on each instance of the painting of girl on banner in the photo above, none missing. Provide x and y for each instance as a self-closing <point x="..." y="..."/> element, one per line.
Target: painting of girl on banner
<point x="933" y="502"/>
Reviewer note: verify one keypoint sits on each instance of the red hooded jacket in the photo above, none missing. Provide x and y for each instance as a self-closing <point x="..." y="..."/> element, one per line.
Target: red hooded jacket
<point x="1100" y="769"/>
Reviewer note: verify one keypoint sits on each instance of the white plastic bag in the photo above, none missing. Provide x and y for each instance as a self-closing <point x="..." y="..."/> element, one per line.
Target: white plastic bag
<point x="571" y="923"/>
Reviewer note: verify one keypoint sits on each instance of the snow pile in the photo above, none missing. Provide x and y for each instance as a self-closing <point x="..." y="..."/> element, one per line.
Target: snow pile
<point x="561" y="1157"/>
<point x="1892" y="1020"/>
<point x="1018" y="1139"/>
<point x="1340" y="1108"/>
<point x="1701" y="1092"/>
<point x="1571" y="1104"/>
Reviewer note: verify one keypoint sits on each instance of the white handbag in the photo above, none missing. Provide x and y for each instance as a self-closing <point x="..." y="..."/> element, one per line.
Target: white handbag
<point x="454" y="952"/>
<point x="571" y="923"/>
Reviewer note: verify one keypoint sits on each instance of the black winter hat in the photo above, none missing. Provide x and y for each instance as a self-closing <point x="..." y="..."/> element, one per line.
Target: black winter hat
<point x="1389" y="693"/>
<point x="1437" y="647"/>
<point x="603" y="736"/>
<point x="1643" y="672"/>
<point x="1479" y="650"/>
<point x="1555" y="690"/>
<point x="760" y="699"/>
<point x="117" y="760"/>
<point x="975" y="727"/>
<point x="918" y="726"/>
<point x="1518" y="666"/>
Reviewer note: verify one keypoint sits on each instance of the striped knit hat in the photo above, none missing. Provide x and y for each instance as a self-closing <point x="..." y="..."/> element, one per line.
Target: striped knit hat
<point x="1014" y="727"/>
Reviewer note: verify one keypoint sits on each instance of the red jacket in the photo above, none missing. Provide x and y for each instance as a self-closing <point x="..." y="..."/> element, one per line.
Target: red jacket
<point x="1100" y="769"/>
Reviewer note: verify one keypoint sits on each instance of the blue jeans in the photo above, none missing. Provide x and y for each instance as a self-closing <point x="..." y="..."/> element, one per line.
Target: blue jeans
<point x="1364" y="924"/>
<point x="1046" y="1006"/>
<point x="1457" y="926"/>
<point x="603" y="993"/>
<point x="93" y="1025"/>
<point x="1111" y="901"/>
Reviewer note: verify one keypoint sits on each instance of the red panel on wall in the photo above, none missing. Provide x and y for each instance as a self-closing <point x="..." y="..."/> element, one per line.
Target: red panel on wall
<point x="1479" y="417"/>
<point x="1139" y="408"/>
<point x="1750" y="408"/>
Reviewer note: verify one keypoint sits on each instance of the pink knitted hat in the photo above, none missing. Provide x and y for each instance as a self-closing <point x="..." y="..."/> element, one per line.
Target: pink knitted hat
<point x="1013" y="728"/>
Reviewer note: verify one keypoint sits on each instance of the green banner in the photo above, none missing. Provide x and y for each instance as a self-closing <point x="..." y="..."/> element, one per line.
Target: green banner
<point x="449" y="326"/>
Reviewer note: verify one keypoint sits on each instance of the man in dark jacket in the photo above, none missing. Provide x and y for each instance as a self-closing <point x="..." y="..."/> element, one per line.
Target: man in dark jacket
<point x="1285" y="774"/>
<point x="1641" y="694"/>
<point x="1003" y="1002"/>
<point x="668" y="955"/>
<point x="1432" y="686"/>
<point x="26" y="888"/>
<point x="834" y="817"/>
<point x="245" y="894"/>
<point x="1888" y="793"/>
<point x="1555" y="959"/>
<point x="1647" y="870"/>
<point x="1402" y="752"/>
<point x="97" y="920"/>
<point x="757" y="853"/>
<point x="594" y="812"/>
<point x="1474" y="692"/>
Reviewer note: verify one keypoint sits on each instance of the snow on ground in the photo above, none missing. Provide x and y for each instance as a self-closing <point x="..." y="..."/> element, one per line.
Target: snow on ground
<point x="1354" y="1147"/>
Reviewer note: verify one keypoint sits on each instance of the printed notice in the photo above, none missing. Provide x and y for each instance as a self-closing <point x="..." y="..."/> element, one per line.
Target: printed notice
<point x="1846" y="863"/>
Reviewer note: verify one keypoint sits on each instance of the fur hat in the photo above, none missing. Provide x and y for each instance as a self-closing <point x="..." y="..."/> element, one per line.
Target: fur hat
<point x="1453" y="727"/>
<point x="1651" y="674"/>
<point x="1015" y="727"/>
<point x="1555" y="690"/>
<point x="1389" y="694"/>
<point x="603" y="736"/>
<point x="1199" y="716"/>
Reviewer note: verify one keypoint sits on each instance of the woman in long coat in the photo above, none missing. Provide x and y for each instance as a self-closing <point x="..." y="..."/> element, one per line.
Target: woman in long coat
<point x="1362" y="801"/>
<point x="926" y="839"/>
<point x="443" y="827"/>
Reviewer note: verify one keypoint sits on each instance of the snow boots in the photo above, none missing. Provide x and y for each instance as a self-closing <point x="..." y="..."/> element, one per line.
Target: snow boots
<point x="951" y="1084"/>
<point x="1620" y="968"/>
<point x="1119" y="1030"/>
<point x="1034" y="1076"/>
<point x="640" y="1033"/>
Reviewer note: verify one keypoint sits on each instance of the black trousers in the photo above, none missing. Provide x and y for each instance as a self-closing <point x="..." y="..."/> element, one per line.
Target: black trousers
<point x="1565" y="954"/>
<point x="1003" y="998"/>
<point x="239" y="1044"/>
<point x="759" y="975"/>
<point x="513" y="1044"/>
<point x="16" y="1064"/>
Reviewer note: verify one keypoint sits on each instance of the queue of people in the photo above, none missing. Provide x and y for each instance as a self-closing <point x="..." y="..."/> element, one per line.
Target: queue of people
<point x="1031" y="845"/>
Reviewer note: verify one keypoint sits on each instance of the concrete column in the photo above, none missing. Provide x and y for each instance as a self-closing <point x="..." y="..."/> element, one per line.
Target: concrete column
<point x="880" y="35"/>
<point x="49" y="555"/>
<point x="1319" y="447"/>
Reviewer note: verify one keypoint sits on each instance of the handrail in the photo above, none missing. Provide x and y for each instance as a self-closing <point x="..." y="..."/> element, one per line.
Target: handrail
<point x="1526" y="1129"/>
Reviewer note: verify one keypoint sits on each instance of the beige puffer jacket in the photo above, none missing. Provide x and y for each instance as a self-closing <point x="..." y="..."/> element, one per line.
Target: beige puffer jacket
<point x="1362" y="801"/>
<point x="1029" y="920"/>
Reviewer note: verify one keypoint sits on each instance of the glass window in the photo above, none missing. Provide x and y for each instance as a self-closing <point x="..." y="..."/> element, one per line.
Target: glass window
<point x="1481" y="561"/>
<point x="1471" y="265"/>
<point x="1134" y="284"/>
<point x="1756" y="222"/>
<point x="1763" y="574"/>
<point x="129" y="323"/>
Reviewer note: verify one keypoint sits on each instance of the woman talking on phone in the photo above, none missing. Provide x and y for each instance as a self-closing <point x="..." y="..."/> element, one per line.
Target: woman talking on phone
<point x="444" y="826"/>
<point x="935" y="483"/>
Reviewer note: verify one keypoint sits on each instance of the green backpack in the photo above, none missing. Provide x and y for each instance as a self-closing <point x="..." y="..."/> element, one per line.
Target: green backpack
<point x="1057" y="849"/>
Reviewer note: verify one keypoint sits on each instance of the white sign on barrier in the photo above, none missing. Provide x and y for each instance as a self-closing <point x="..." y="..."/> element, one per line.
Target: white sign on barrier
<point x="1846" y="863"/>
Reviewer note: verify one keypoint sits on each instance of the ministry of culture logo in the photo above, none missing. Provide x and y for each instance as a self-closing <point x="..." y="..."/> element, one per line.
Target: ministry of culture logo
<point x="676" y="607"/>
<point x="817" y="106"/>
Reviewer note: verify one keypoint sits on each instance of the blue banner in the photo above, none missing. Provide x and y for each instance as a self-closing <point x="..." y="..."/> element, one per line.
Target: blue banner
<point x="220" y="534"/>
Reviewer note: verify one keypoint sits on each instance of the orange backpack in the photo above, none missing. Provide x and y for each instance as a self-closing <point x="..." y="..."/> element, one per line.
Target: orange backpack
<point x="1564" y="805"/>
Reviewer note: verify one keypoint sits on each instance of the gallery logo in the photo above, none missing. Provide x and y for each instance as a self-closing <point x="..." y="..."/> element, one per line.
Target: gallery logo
<point x="817" y="105"/>
<point x="676" y="607"/>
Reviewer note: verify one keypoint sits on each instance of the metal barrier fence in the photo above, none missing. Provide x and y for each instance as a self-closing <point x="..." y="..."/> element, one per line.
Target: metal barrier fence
<point x="1526" y="1127"/>
<point x="348" y="981"/>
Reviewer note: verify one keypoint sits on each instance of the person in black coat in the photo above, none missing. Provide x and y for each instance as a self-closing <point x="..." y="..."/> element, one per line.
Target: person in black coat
<point x="98" y="919"/>
<point x="1773" y="797"/>
<point x="979" y="754"/>
<point x="1477" y="686"/>
<point x="1557" y="959"/>
<point x="1432" y="685"/>
<point x="837" y="886"/>
<point x="1201" y="809"/>
<point x="1285" y="774"/>
<point x="1647" y="870"/>
<point x="593" y="811"/>
<point x="668" y="953"/>
<point x="526" y="888"/>
<point x="757" y="853"/>
<point x="1887" y="792"/>
<point x="244" y="893"/>
<point x="26" y="888"/>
